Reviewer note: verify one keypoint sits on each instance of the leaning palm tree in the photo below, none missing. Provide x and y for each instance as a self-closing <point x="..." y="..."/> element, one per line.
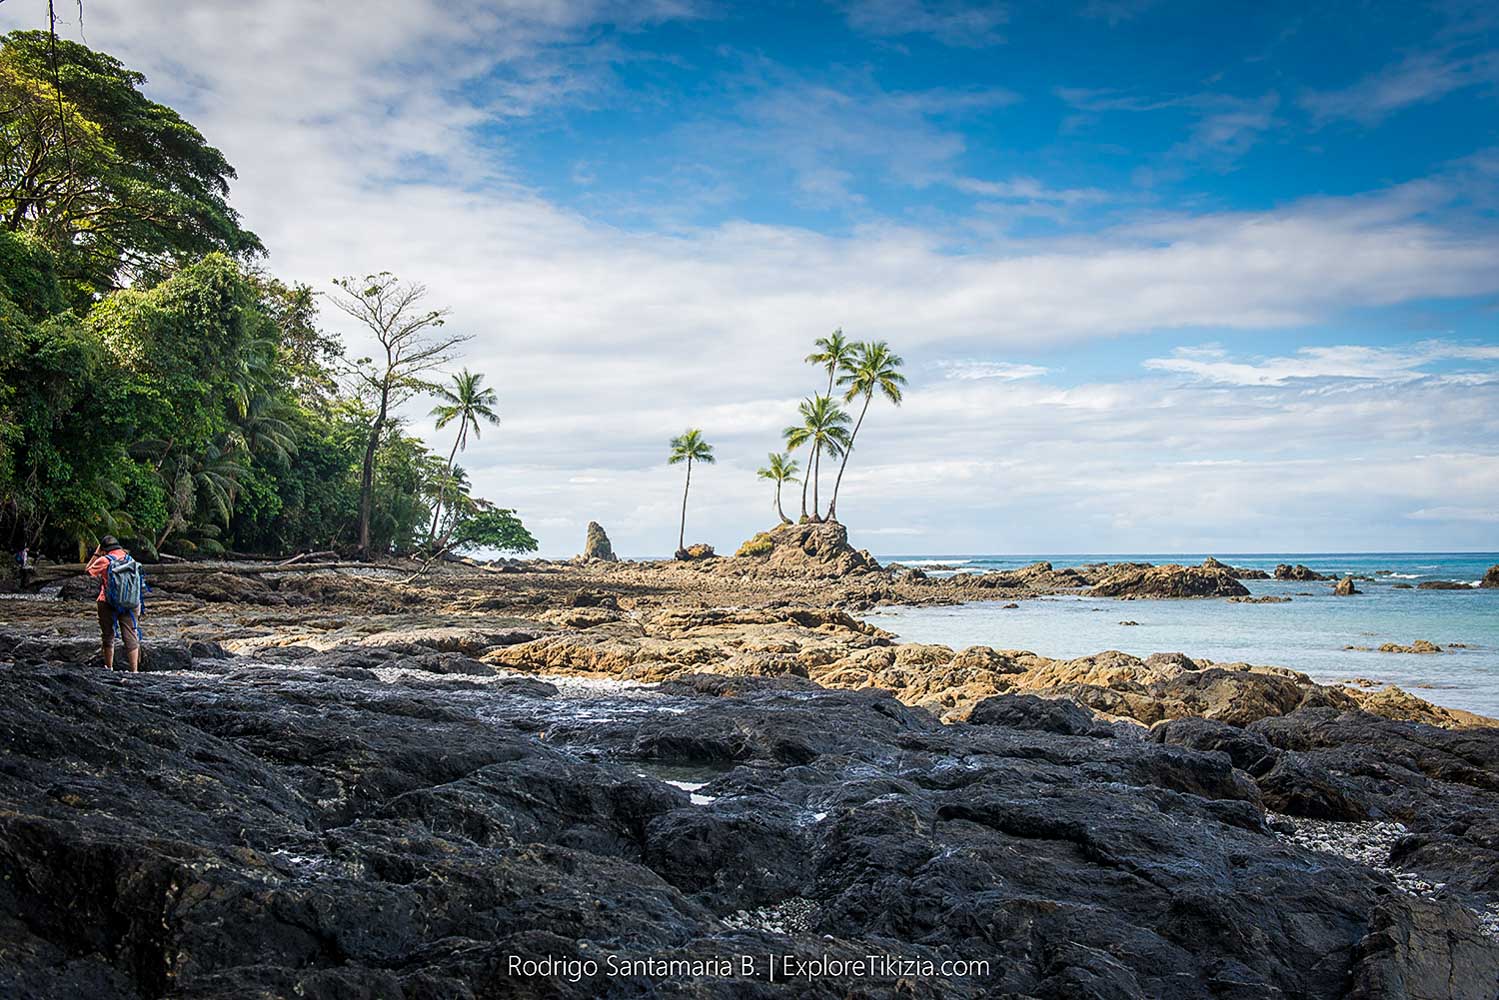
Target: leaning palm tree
<point x="824" y="427"/>
<point x="782" y="468"/>
<point x="874" y="369"/>
<point x="468" y="403"/>
<point x="689" y="446"/>
<point x="833" y="352"/>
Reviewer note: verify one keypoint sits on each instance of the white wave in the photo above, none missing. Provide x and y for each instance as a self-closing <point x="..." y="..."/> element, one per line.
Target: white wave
<point x="1403" y="576"/>
<point x="933" y="562"/>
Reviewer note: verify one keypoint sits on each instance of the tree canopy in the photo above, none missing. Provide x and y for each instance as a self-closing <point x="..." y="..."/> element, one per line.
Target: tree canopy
<point x="156" y="387"/>
<point x="121" y="189"/>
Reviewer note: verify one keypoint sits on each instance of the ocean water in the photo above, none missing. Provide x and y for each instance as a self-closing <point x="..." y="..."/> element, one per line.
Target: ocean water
<point x="1308" y="634"/>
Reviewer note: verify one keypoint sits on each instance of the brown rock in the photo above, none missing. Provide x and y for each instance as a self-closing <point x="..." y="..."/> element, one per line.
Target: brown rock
<point x="596" y="545"/>
<point x="1490" y="579"/>
<point x="1419" y="646"/>
<point x="1285" y="571"/>
<point x="1171" y="581"/>
<point x="1345" y="588"/>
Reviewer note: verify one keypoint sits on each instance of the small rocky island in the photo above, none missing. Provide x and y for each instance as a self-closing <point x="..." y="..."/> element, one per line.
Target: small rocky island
<point x="339" y="782"/>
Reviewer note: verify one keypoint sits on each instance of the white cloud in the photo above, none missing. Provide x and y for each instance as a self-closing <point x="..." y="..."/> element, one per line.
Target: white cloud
<point x="1340" y="362"/>
<point x="1003" y="370"/>
<point x="959" y="23"/>
<point x="1482" y="515"/>
<point x="1417" y="79"/>
<point x="1027" y="189"/>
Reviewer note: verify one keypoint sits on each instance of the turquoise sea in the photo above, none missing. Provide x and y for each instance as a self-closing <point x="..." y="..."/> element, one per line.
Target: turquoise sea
<point x="1308" y="634"/>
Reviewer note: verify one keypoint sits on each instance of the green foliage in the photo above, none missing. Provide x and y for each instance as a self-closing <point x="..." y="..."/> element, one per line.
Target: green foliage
<point x="494" y="529"/>
<point x="28" y="275"/>
<point x="120" y="187"/>
<point x="195" y="410"/>
<point x="690" y="446"/>
<point x="760" y="545"/>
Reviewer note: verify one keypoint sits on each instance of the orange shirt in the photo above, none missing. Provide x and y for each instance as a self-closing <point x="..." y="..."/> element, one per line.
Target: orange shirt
<point x="99" y="565"/>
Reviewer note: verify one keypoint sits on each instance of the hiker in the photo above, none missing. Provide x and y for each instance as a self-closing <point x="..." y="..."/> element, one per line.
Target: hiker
<point x="120" y="604"/>
<point x="23" y="566"/>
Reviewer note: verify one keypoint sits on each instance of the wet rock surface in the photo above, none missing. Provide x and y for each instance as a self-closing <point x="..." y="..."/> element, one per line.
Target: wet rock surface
<point x="352" y="823"/>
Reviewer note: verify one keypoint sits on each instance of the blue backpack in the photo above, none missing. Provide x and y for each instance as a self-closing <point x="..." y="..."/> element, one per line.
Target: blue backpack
<point x="124" y="584"/>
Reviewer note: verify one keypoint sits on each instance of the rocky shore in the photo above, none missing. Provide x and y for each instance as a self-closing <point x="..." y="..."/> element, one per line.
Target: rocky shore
<point x="334" y="783"/>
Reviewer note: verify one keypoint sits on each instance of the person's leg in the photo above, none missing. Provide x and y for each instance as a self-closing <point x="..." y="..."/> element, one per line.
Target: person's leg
<point x="130" y="632"/>
<point x="107" y="633"/>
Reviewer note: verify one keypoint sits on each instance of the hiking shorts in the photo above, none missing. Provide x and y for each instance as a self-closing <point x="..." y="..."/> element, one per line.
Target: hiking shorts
<point x="107" y="618"/>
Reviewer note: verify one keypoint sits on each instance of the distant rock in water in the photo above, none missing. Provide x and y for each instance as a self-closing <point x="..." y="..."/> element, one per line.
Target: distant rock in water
<point x="1419" y="646"/>
<point x="1490" y="579"/>
<point x="596" y="545"/>
<point x="1442" y="585"/>
<point x="1171" y="580"/>
<point x="1345" y="588"/>
<point x="816" y="549"/>
<point x="1237" y="572"/>
<point x="1285" y="571"/>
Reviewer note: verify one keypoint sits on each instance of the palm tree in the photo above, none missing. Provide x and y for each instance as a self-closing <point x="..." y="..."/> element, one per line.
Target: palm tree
<point x="824" y="427"/>
<point x="782" y="469"/>
<point x="689" y="447"/>
<point x="468" y="403"/>
<point x="874" y="369"/>
<point x="833" y="352"/>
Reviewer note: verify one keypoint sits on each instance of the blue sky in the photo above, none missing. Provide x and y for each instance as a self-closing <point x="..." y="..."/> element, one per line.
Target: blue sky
<point x="1166" y="276"/>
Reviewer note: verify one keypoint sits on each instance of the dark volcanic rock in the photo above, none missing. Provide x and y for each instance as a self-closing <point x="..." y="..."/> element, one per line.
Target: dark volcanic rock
<point x="1490" y="579"/>
<point x="1026" y="711"/>
<point x="1442" y="585"/>
<point x="1171" y="581"/>
<point x="1443" y="784"/>
<point x="278" y="831"/>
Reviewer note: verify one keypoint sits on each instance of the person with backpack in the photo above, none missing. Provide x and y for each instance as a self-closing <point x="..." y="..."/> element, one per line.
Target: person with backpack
<point x="121" y="585"/>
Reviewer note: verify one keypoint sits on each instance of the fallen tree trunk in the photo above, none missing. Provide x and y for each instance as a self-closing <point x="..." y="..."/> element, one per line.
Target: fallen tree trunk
<point x="308" y="556"/>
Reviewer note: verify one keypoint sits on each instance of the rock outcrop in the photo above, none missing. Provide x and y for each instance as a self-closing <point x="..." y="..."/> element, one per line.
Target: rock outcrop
<point x="1237" y="572"/>
<point x="1345" y="588"/>
<point x="596" y="545"/>
<point x="1171" y="581"/>
<point x="814" y="549"/>
<point x="1285" y="571"/>
<point x="696" y="552"/>
<point x="1442" y="585"/>
<point x="1419" y="646"/>
<point x="1490" y="579"/>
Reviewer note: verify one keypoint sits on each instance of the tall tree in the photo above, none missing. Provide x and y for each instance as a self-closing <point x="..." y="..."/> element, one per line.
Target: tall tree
<point x="469" y="403"/>
<point x="408" y="348"/>
<point x="781" y="469"/>
<point x="834" y="352"/>
<point x="824" y="427"/>
<point x="123" y="189"/>
<point x="689" y="446"/>
<point x="874" y="369"/>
